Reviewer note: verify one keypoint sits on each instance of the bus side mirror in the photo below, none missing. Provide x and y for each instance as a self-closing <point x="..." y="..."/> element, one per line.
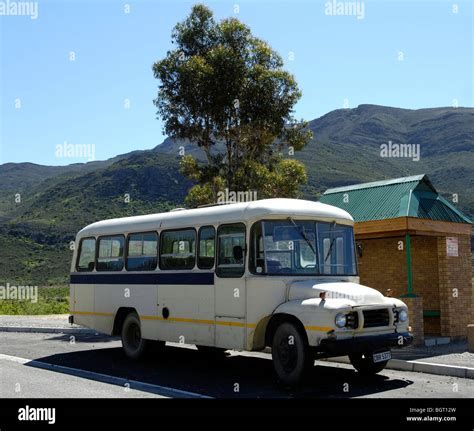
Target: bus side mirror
<point x="359" y="249"/>
<point x="238" y="252"/>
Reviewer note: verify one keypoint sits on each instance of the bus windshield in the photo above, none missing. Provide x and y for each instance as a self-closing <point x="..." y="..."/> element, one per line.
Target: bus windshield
<point x="296" y="247"/>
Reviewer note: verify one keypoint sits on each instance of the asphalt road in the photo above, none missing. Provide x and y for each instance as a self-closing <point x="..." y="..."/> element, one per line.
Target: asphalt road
<point x="95" y="366"/>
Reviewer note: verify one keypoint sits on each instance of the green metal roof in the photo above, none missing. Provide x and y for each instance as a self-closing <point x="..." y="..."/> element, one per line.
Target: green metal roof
<point x="412" y="196"/>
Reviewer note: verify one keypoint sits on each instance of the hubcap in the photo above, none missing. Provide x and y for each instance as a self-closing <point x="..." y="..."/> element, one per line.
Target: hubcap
<point x="134" y="336"/>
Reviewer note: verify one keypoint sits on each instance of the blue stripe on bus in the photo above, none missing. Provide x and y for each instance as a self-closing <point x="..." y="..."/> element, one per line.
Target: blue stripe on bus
<point x="195" y="278"/>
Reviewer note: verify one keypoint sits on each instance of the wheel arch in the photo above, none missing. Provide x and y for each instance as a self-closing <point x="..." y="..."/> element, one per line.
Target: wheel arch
<point x="120" y="316"/>
<point x="279" y="318"/>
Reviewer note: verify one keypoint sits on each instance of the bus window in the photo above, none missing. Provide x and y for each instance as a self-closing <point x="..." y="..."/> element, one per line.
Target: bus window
<point x="301" y="247"/>
<point x="110" y="253"/>
<point x="86" y="260"/>
<point x="337" y="249"/>
<point x="207" y="236"/>
<point x="142" y="251"/>
<point x="326" y="256"/>
<point x="178" y="249"/>
<point x="290" y="247"/>
<point x="257" y="255"/>
<point x="231" y="247"/>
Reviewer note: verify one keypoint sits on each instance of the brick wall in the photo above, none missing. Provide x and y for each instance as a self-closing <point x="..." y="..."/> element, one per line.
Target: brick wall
<point x="415" y="311"/>
<point x="424" y="255"/>
<point x="383" y="266"/>
<point x="455" y="287"/>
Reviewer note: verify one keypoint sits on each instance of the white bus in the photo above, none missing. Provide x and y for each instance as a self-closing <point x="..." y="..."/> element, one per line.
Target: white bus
<point x="278" y="273"/>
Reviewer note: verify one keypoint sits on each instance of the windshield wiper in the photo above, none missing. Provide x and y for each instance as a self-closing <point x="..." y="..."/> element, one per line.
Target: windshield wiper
<point x="332" y="242"/>
<point x="303" y="235"/>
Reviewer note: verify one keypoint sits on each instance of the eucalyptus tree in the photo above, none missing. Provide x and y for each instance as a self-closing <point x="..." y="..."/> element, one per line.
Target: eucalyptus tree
<point x="226" y="91"/>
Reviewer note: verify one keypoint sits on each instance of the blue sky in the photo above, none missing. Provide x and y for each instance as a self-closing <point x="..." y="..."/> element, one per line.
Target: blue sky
<point x="410" y="54"/>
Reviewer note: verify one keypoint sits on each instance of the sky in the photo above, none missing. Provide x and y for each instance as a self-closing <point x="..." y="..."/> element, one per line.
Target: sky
<point x="77" y="74"/>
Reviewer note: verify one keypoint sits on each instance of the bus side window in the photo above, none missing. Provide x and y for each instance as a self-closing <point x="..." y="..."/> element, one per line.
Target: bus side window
<point x="178" y="249"/>
<point x="110" y="253"/>
<point x="231" y="250"/>
<point x="86" y="258"/>
<point x="142" y="251"/>
<point x="206" y="250"/>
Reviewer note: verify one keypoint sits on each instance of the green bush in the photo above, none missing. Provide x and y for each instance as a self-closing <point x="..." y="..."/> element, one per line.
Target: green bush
<point x="51" y="300"/>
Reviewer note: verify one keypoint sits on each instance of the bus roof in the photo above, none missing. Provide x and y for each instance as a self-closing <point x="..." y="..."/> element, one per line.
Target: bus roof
<point x="229" y="213"/>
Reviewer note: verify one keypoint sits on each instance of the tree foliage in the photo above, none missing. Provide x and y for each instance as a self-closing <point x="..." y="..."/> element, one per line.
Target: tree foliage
<point x="222" y="85"/>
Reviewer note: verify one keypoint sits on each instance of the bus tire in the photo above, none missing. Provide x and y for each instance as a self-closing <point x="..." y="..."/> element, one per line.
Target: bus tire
<point x="364" y="364"/>
<point x="133" y="344"/>
<point x="290" y="354"/>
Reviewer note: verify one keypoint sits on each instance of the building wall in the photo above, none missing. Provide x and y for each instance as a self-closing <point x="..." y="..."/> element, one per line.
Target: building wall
<point x="435" y="275"/>
<point x="457" y="307"/>
<point x="424" y="253"/>
<point x="383" y="265"/>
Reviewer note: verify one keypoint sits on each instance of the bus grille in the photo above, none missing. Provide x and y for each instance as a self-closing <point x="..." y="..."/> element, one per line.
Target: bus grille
<point x="376" y="318"/>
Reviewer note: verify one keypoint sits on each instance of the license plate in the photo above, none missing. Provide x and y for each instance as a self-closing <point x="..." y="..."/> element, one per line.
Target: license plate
<point x="381" y="357"/>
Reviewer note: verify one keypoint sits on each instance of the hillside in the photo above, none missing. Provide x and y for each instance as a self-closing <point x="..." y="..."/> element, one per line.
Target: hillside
<point x="17" y="178"/>
<point x="346" y="149"/>
<point x="58" y="201"/>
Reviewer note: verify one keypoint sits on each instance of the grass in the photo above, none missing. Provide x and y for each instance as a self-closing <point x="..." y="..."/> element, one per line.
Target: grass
<point x="26" y="262"/>
<point x="51" y="300"/>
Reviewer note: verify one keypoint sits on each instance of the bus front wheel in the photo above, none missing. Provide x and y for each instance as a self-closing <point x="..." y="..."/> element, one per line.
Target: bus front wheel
<point x="133" y="344"/>
<point x="290" y="354"/>
<point x="365" y="365"/>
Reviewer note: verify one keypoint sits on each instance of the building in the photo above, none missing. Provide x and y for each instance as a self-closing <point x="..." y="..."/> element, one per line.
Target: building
<point x="416" y="245"/>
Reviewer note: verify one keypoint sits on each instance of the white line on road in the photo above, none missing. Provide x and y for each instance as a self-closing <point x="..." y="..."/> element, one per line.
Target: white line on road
<point x="104" y="378"/>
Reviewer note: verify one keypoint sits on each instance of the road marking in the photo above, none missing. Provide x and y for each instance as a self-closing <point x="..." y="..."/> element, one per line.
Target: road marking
<point x="104" y="378"/>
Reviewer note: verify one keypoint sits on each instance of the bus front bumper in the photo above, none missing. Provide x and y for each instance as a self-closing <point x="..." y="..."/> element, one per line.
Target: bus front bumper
<point x="364" y="344"/>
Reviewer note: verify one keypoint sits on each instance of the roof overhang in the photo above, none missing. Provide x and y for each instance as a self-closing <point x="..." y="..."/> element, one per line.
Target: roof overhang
<point x="415" y="226"/>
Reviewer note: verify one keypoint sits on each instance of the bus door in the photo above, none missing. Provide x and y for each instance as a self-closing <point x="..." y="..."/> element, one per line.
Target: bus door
<point x="230" y="294"/>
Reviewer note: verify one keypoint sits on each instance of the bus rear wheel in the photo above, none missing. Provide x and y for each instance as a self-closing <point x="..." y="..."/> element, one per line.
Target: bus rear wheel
<point x="133" y="344"/>
<point x="364" y="364"/>
<point x="291" y="356"/>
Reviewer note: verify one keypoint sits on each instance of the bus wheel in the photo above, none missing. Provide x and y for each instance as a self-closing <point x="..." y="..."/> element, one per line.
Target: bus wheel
<point x="364" y="364"/>
<point x="133" y="344"/>
<point x="212" y="352"/>
<point x="290" y="354"/>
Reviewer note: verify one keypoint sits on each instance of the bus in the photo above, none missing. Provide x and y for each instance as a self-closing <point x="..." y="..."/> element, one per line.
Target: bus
<point x="273" y="273"/>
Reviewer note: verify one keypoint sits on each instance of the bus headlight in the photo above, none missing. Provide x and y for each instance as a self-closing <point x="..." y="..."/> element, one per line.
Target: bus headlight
<point x="341" y="320"/>
<point x="402" y="315"/>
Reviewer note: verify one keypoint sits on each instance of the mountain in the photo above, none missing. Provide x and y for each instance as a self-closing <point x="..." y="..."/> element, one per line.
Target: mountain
<point x="57" y="201"/>
<point x="16" y="178"/>
<point x="346" y="149"/>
